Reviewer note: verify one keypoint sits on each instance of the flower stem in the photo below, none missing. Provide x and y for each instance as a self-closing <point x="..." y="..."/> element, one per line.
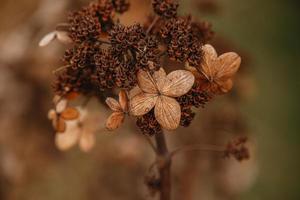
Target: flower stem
<point x="165" y="168"/>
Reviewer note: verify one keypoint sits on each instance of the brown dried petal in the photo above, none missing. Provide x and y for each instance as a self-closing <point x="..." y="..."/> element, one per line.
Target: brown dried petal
<point x="167" y="112"/>
<point x="123" y="100"/>
<point x="134" y="91"/>
<point x="181" y="81"/>
<point x="113" y="104"/>
<point x="59" y="125"/>
<point x="70" y="113"/>
<point x="228" y="64"/>
<point x="209" y="58"/>
<point x="115" y="120"/>
<point x="142" y="103"/>
<point x="160" y="78"/>
<point x="225" y="86"/>
<point x="146" y="82"/>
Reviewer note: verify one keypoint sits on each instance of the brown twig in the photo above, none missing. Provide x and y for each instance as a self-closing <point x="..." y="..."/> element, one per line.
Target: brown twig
<point x="152" y="24"/>
<point x="164" y="168"/>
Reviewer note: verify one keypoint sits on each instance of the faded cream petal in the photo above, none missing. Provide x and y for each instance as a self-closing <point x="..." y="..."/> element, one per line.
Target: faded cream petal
<point x="180" y="82"/>
<point x="123" y="100"/>
<point x="115" y="120"/>
<point x="65" y="141"/>
<point x="209" y="58"/>
<point x="47" y="39"/>
<point x="61" y="105"/>
<point x="142" y="103"/>
<point x="87" y="141"/>
<point x="63" y="37"/>
<point x="52" y="114"/>
<point x="113" y="104"/>
<point x="167" y="112"/>
<point x="227" y="65"/>
<point x="146" y="82"/>
<point x="160" y="78"/>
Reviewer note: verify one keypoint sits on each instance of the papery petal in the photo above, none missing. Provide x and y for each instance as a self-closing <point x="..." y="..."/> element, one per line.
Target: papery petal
<point x="63" y="37"/>
<point x="209" y="57"/>
<point x="134" y="91"/>
<point x="160" y="78"/>
<point x="47" y="39"/>
<point x="227" y="65"/>
<point x="59" y="125"/>
<point x="123" y="100"/>
<point x="52" y="114"/>
<point x="70" y="113"/>
<point x="146" y="82"/>
<point x="142" y="103"/>
<point x="167" y="112"/>
<point x="113" y="104"/>
<point x="115" y="120"/>
<point x="180" y="82"/>
<point x="61" y="105"/>
<point x="69" y="138"/>
<point x="225" y="86"/>
<point x="87" y="141"/>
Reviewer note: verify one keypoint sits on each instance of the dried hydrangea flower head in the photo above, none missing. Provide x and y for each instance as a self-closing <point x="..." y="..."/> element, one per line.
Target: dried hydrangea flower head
<point x="159" y="91"/>
<point x="120" y="109"/>
<point x="216" y="72"/>
<point x="78" y="131"/>
<point x="61" y="114"/>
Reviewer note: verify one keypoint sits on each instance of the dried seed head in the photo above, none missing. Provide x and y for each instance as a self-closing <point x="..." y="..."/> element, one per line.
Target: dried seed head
<point x="148" y="125"/>
<point x="165" y="8"/>
<point x="183" y="45"/>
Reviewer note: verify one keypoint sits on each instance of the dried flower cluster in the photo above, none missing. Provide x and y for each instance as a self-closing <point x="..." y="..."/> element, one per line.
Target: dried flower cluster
<point x="107" y="56"/>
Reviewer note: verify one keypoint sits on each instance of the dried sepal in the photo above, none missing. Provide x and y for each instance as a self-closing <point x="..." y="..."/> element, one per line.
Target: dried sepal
<point x="115" y="120"/>
<point x="61" y="105"/>
<point x="123" y="100"/>
<point x="180" y="82"/>
<point x="160" y="78"/>
<point x="228" y="64"/>
<point x="63" y="37"/>
<point x="47" y="39"/>
<point x="113" y="104"/>
<point x="146" y="82"/>
<point x="69" y="138"/>
<point x="70" y="113"/>
<point x="142" y="103"/>
<point x="167" y="112"/>
<point x="215" y="73"/>
<point x="59" y="125"/>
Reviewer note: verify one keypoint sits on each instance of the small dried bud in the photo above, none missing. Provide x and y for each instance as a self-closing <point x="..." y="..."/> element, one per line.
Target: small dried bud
<point x="237" y="149"/>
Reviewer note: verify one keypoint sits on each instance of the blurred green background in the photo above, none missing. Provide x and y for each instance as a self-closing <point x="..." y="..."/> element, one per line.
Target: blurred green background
<point x="269" y="30"/>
